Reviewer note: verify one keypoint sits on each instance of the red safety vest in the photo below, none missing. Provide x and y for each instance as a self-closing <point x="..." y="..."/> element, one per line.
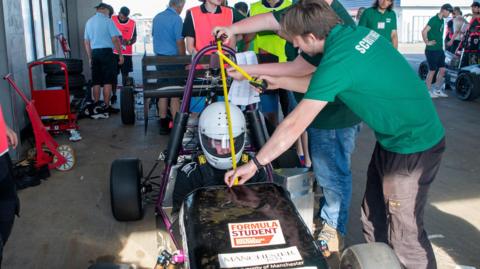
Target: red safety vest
<point x="203" y="23"/>
<point x="3" y="134"/>
<point x="127" y="29"/>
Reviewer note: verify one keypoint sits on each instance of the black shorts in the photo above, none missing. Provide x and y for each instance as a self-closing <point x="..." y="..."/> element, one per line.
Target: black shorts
<point x="435" y="59"/>
<point x="127" y="65"/>
<point x="104" y="67"/>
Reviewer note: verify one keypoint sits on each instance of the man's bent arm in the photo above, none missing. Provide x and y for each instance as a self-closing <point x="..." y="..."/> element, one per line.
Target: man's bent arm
<point x="394" y="36"/>
<point x="298" y="68"/>
<point x="425" y="34"/>
<point x="190" y="45"/>
<point x="255" y="24"/>
<point x="290" y="129"/>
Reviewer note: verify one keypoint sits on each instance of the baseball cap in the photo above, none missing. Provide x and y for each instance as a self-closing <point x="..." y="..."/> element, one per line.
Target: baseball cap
<point x="447" y="7"/>
<point x="125" y="11"/>
<point x="102" y="5"/>
<point x="475" y="4"/>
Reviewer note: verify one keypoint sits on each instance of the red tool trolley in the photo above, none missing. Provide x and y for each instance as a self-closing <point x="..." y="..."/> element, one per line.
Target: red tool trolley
<point x="47" y="150"/>
<point x="53" y="104"/>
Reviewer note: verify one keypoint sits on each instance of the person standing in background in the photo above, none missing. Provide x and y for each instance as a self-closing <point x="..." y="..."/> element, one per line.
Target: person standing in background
<point x="433" y="37"/>
<point x="268" y="42"/>
<point x="168" y="41"/>
<point x="100" y="38"/>
<point x="472" y="49"/>
<point x="382" y="19"/>
<point x="197" y="30"/>
<point x="9" y="203"/>
<point x="128" y="28"/>
<point x="457" y="34"/>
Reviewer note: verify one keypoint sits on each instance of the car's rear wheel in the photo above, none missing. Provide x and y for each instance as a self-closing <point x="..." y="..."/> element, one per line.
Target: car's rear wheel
<point x="467" y="86"/>
<point x="125" y="189"/>
<point x="369" y="256"/>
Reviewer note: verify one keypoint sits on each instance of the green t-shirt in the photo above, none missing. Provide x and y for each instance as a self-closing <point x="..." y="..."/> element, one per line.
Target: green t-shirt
<point x="382" y="23"/>
<point x="435" y="33"/>
<point x="362" y="69"/>
<point x="335" y="115"/>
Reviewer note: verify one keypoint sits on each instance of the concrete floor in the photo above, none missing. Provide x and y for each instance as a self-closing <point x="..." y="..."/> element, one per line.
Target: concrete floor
<point x="66" y="222"/>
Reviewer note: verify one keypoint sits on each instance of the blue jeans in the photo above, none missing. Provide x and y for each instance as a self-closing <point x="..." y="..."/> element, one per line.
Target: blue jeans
<point x="330" y="151"/>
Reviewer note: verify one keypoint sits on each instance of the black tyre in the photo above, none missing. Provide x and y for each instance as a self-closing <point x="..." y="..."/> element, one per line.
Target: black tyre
<point x="127" y="106"/>
<point x="369" y="256"/>
<point x="467" y="87"/>
<point x="74" y="81"/>
<point x="125" y="189"/>
<point x="423" y="70"/>
<point x="74" y="66"/>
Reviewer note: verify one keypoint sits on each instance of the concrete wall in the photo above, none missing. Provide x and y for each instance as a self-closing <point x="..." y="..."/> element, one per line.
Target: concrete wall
<point x="78" y="14"/>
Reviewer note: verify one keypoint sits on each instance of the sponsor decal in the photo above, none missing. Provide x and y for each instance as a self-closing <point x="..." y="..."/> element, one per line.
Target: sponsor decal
<point x="265" y="259"/>
<point x="256" y="234"/>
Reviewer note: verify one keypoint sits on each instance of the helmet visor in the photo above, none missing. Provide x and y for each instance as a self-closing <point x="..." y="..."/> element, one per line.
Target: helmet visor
<point x="220" y="148"/>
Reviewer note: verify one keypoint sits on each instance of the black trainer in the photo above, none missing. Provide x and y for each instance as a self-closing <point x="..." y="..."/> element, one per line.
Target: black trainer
<point x="110" y="110"/>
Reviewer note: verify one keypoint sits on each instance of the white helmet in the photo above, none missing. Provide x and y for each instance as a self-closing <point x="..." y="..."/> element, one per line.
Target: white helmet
<point x="214" y="138"/>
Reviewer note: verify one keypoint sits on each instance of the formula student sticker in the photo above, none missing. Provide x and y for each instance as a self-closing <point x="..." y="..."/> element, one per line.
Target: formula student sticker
<point x="256" y="234"/>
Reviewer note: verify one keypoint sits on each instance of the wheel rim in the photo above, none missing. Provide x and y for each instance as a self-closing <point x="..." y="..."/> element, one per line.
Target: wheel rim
<point x="463" y="88"/>
<point x="67" y="152"/>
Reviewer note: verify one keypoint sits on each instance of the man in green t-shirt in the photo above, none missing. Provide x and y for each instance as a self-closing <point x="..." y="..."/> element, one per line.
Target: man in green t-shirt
<point x="382" y="19"/>
<point x="331" y="135"/>
<point x="410" y="136"/>
<point x="433" y="37"/>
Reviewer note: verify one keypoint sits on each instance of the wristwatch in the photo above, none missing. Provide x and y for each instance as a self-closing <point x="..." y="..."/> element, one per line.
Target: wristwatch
<point x="257" y="163"/>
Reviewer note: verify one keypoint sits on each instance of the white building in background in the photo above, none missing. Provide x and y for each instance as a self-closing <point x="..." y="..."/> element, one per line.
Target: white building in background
<point x="412" y="15"/>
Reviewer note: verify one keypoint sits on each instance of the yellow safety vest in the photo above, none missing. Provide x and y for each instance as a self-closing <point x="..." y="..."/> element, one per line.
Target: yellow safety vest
<point x="268" y="40"/>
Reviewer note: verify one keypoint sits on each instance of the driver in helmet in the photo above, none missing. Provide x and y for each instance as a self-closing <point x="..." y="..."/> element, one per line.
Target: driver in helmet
<point x="209" y="168"/>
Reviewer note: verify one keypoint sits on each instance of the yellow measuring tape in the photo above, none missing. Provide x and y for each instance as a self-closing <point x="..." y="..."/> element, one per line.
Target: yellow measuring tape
<point x="259" y="84"/>
<point x="227" y="108"/>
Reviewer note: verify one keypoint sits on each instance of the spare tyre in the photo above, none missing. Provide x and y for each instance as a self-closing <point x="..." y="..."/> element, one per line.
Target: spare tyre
<point x="74" y="81"/>
<point x="467" y="86"/>
<point x="74" y="66"/>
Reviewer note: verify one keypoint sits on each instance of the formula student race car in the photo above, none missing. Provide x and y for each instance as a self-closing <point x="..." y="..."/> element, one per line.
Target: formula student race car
<point x="250" y="226"/>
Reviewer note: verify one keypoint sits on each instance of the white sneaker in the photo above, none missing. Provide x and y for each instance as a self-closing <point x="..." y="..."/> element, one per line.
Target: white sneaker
<point x="433" y="94"/>
<point x="441" y="93"/>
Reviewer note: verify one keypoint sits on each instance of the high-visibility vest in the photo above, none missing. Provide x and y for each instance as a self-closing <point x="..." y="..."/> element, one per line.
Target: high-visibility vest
<point x="3" y="134"/>
<point x="127" y="29"/>
<point x="203" y="23"/>
<point x="268" y="40"/>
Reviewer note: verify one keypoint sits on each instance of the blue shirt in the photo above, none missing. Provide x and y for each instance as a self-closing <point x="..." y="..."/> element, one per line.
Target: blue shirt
<point x="166" y="31"/>
<point x="99" y="30"/>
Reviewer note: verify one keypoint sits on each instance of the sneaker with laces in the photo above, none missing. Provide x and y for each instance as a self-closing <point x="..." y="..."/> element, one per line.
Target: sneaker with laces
<point x="441" y="93"/>
<point x="98" y="113"/>
<point x="329" y="240"/>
